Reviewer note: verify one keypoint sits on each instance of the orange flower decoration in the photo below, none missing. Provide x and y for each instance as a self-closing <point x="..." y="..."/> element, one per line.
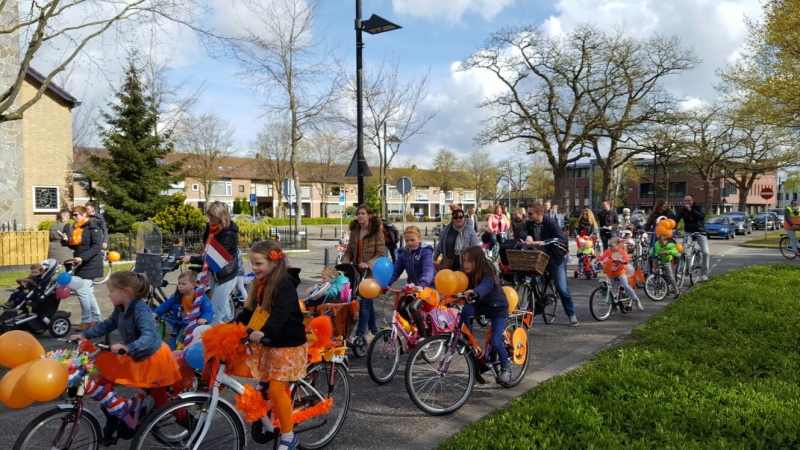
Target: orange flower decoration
<point x="275" y="256"/>
<point x="251" y="404"/>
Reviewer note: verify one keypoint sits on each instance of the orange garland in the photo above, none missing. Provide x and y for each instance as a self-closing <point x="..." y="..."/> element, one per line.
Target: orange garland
<point x="252" y="404"/>
<point x="224" y="342"/>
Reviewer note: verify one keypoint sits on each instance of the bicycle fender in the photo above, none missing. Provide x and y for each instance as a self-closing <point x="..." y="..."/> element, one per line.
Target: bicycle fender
<point x="87" y="414"/>
<point x="189" y="395"/>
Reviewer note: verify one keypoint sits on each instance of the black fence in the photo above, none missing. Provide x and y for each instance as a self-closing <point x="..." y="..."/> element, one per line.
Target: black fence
<point x="11" y="226"/>
<point x="125" y="244"/>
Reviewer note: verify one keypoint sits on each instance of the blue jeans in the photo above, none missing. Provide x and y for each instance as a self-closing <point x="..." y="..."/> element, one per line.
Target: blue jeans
<point x="366" y="316"/>
<point x="498" y="323"/>
<point x="792" y="238"/>
<point x="558" y="273"/>
<point x="90" y="311"/>
<point x="220" y="300"/>
<point x="702" y="241"/>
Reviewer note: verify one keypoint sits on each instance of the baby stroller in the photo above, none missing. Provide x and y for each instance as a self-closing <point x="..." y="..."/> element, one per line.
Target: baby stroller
<point x="344" y="315"/>
<point x="585" y="257"/>
<point x="39" y="312"/>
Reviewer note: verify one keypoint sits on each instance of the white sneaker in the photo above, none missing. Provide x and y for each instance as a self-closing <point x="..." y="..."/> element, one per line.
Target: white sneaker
<point x="703" y="278"/>
<point x="639" y="305"/>
<point x="573" y="321"/>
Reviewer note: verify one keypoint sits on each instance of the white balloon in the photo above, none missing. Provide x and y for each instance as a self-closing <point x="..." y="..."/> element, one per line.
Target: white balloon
<point x="629" y="270"/>
<point x="197" y="334"/>
<point x="76" y="283"/>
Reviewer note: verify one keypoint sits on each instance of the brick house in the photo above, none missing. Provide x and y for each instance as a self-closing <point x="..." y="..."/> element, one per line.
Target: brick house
<point x="36" y="161"/>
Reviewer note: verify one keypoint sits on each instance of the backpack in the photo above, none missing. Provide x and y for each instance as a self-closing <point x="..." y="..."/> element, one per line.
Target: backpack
<point x="390" y="233"/>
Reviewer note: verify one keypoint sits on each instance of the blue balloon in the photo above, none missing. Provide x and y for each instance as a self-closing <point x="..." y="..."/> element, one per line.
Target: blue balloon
<point x="194" y="356"/>
<point x="382" y="271"/>
<point x="64" y="278"/>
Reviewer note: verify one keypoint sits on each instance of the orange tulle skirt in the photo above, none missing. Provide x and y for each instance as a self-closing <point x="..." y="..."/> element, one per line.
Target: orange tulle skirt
<point x="159" y="370"/>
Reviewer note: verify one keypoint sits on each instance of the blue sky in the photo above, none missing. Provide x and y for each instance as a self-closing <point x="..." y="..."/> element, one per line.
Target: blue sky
<point x="437" y="34"/>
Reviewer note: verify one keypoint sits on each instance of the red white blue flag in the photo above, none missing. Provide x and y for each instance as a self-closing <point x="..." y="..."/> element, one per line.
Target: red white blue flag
<point x="216" y="255"/>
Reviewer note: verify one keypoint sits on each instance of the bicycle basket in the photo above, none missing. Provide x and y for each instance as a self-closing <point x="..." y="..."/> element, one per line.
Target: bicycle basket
<point x="528" y="261"/>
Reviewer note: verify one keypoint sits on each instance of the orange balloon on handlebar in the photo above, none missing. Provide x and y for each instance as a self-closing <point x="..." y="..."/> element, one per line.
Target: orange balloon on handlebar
<point x="113" y="256"/>
<point x="446" y="282"/>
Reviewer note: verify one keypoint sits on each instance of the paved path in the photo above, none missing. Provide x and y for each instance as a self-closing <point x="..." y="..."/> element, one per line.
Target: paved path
<point x="384" y="417"/>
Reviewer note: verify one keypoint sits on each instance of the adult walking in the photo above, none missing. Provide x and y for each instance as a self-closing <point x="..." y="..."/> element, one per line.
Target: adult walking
<point x="625" y="219"/>
<point x="221" y="228"/>
<point x="454" y="238"/>
<point x="86" y="242"/>
<point x="472" y="220"/>
<point x="661" y="208"/>
<point x="586" y="225"/>
<point x="609" y="223"/>
<point x="91" y="209"/>
<point x="517" y="223"/>
<point x="365" y="246"/>
<point x="557" y="216"/>
<point x="539" y="229"/>
<point x="60" y="232"/>
<point x="693" y="217"/>
<point x="496" y="224"/>
<point x="791" y="223"/>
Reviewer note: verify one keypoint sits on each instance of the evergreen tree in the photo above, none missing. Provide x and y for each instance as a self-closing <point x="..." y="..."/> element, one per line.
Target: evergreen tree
<point x="130" y="181"/>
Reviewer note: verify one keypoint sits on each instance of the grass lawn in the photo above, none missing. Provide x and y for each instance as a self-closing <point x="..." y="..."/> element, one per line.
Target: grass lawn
<point x="719" y="369"/>
<point x="772" y="240"/>
<point x="8" y="279"/>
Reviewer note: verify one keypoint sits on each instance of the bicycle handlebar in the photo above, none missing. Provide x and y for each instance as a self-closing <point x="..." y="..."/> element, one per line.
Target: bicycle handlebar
<point x="246" y="340"/>
<point x="100" y="346"/>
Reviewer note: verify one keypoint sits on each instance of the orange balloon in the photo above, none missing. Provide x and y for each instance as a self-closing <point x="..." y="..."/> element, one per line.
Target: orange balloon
<point x="679" y="248"/>
<point x="369" y="288"/>
<point x="19" y="347"/>
<point x="661" y="230"/>
<point x="12" y="392"/>
<point x="446" y="282"/>
<point x="462" y="282"/>
<point x="512" y="297"/>
<point x="113" y="256"/>
<point x="671" y="223"/>
<point x="45" y="379"/>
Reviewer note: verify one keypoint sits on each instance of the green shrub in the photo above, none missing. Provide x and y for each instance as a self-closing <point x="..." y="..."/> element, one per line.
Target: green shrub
<point x="44" y="226"/>
<point x="306" y="221"/>
<point x="175" y="219"/>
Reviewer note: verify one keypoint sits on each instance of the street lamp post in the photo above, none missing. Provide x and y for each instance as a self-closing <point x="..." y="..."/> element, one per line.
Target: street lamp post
<point x="373" y="25"/>
<point x="392" y="142"/>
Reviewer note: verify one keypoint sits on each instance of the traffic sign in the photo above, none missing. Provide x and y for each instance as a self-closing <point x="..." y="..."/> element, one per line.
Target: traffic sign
<point x="341" y="198"/>
<point x="253" y="200"/>
<point x="767" y="193"/>
<point x="404" y="185"/>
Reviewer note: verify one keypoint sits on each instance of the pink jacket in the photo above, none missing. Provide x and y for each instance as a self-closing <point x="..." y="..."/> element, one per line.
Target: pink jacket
<point x="496" y="225"/>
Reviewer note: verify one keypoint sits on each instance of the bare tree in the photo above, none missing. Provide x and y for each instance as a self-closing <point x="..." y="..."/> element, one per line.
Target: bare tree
<point x="540" y="179"/>
<point x="482" y="172"/>
<point x="69" y="26"/>
<point x="389" y="103"/>
<point x="206" y="141"/>
<point x="446" y="165"/>
<point x="272" y="154"/>
<point x="173" y="101"/>
<point x="515" y="173"/>
<point x="281" y="59"/>
<point x="326" y="155"/>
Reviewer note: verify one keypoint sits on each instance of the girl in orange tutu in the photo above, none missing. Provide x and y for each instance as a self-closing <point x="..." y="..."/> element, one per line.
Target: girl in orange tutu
<point x="284" y="357"/>
<point x="147" y="361"/>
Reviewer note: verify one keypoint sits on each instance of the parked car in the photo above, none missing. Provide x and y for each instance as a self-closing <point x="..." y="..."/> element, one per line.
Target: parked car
<point x="766" y="221"/>
<point x="779" y="212"/>
<point x="743" y="222"/>
<point x="720" y="226"/>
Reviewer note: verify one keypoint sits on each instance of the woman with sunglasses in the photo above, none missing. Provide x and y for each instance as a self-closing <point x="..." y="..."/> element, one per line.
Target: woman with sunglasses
<point x="452" y="239"/>
<point x="86" y="242"/>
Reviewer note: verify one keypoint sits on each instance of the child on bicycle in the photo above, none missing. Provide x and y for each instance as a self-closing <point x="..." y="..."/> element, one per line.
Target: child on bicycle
<point x="25" y="285"/>
<point x="491" y="302"/>
<point x="614" y="261"/>
<point x="284" y="357"/>
<point x="664" y="251"/>
<point x="416" y="259"/>
<point x="147" y="362"/>
<point x="182" y="304"/>
<point x="328" y="291"/>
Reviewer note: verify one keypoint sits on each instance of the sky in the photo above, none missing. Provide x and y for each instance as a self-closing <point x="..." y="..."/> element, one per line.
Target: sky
<point x="437" y="35"/>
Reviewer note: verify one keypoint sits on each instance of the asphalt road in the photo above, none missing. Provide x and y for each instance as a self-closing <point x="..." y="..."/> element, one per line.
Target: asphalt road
<point x="384" y="416"/>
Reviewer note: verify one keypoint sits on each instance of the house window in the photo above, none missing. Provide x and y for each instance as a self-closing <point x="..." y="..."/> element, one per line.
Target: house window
<point x="221" y="189"/>
<point x="469" y="196"/>
<point x="422" y="195"/>
<point x="352" y="191"/>
<point x="241" y="188"/>
<point x="730" y="189"/>
<point x="335" y="191"/>
<point x="195" y="187"/>
<point x="586" y="195"/>
<point x="395" y="208"/>
<point x="392" y="193"/>
<point x="679" y="189"/>
<point x="435" y="193"/>
<point x="646" y="190"/>
<point x="264" y="190"/>
<point x="448" y="195"/>
<point x="305" y="191"/>
<point x="333" y="208"/>
<point x="46" y="199"/>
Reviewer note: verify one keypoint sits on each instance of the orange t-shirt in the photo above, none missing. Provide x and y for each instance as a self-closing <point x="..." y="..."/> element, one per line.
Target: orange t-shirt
<point x="609" y="257"/>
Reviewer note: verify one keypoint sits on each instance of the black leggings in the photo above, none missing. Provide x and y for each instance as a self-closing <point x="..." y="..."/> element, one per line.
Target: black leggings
<point x="412" y="304"/>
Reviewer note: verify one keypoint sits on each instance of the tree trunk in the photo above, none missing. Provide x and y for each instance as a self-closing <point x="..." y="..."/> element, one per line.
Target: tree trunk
<point x="743" y="185"/>
<point x="560" y="182"/>
<point x="708" y="185"/>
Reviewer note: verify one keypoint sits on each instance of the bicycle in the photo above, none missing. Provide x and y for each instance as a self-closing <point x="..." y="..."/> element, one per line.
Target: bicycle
<point x="441" y="386"/>
<point x="639" y="258"/>
<point x="602" y="301"/>
<point x="688" y="264"/>
<point x="383" y="356"/>
<point x="73" y="426"/>
<point x="786" y="247"/>
<point x="536" y="288"/>
<point x="212" y="422"/>
<point x="656" y="286"/>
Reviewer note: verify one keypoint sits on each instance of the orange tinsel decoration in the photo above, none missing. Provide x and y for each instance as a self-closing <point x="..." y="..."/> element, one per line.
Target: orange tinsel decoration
<point x="317" y="410"/>
<point x="251" y="403"/>
<point x="224" y="342"/>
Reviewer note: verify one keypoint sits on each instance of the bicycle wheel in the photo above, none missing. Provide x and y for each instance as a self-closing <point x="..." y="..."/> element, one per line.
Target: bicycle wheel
<point x="680" y="271"/>
<point x="549" y="303"/>
<point x="601" y="304"/>
<point x="52" y="428"/>
<point x="786" y="248"/>
<point x="440" y="387"/>
<point x="318" y="431"/>
<point x="695" y="269"/>
<point x="162" y="429"/>
<point x="525" y="297"/>
<point x="383" y="357"/>
<point x="515" y="339"/>
<point x="656" y="287"/>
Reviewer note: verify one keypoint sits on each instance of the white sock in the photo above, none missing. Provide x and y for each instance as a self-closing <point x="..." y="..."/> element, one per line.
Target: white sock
<point x="286" y="437"/>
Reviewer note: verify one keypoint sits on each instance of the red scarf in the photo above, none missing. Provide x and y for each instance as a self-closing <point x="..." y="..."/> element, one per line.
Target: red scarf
<point x="77" y="233"/>
<point x="214" y="229"/>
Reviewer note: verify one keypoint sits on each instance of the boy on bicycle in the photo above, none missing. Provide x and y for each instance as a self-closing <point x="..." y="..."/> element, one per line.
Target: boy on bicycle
<point x="664" y="251"/>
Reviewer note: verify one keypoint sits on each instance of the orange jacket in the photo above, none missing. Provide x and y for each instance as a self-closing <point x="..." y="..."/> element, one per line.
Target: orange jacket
<point x="614" y="262"/>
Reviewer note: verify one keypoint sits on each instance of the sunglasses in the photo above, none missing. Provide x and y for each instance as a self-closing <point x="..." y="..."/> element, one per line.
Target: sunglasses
<point x="458" y="217"/>
<point x="75" y="214"/>
<point x="530" y="214"/>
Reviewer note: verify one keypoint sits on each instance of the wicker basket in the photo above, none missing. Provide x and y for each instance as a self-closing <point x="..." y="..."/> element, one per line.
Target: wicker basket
<point x="527" y="261"/>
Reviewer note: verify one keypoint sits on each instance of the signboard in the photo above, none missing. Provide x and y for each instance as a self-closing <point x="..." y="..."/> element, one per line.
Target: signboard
<point x="352" y="169"/>
<point x="767" y="193"/>
<point x="253" y="200"/>
<point x="341" y="198"/>
<point x="404" y="185"/>
<point x="288" y="190"/>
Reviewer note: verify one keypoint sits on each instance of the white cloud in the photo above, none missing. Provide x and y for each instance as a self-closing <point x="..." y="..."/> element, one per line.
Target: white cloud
<point x="450" y="10"/>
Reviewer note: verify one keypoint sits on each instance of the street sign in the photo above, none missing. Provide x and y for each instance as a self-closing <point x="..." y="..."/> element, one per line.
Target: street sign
<point x="289" y="190"/>
<point x="767" y="193"/>
<point x="352" y="169"/>
<point x="253" y="200"/>
<point x="341" y="198"/>
<point x="404" y="185"/>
